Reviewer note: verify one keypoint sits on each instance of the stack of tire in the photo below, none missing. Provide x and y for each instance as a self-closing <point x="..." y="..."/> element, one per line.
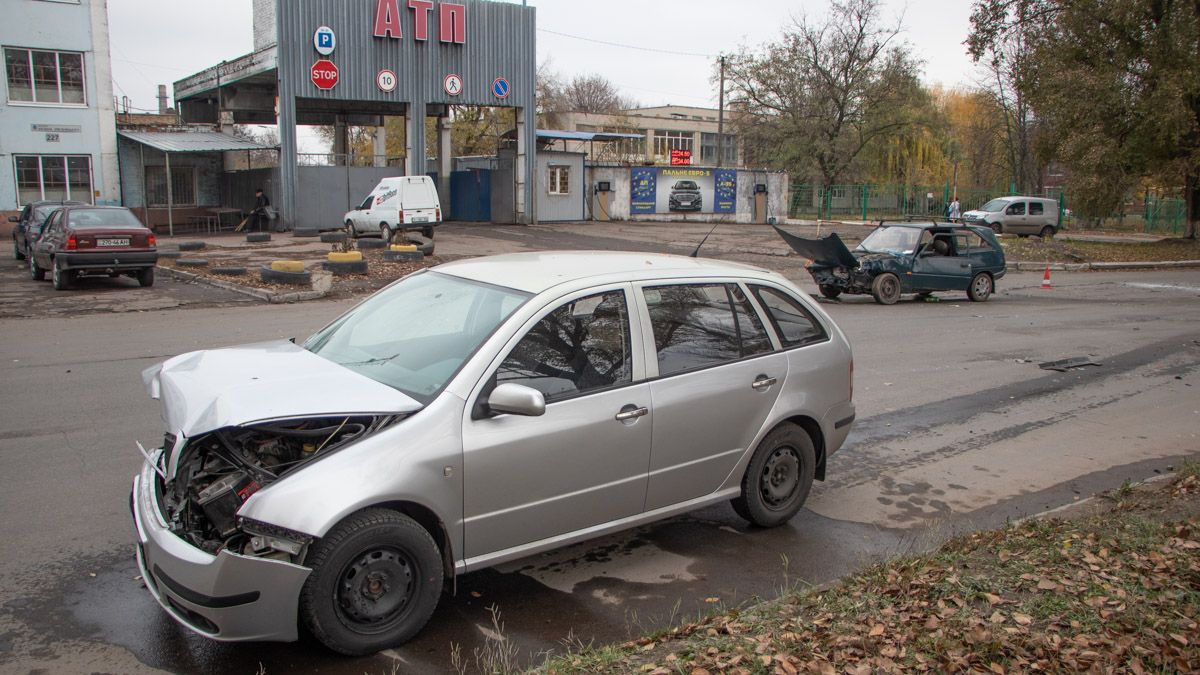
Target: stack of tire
<point x="341" y="264"/>
<point x="286" y="272"/>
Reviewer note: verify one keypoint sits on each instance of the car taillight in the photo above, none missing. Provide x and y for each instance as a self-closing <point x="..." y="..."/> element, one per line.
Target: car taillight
<point x="400" y="216"/>
<point x="72" y="243"/>
<point x="151" y="241"/>
<point x="438" y="214"/>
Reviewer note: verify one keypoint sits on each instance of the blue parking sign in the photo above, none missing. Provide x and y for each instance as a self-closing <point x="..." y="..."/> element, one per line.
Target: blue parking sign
<point x="324" y="40"/>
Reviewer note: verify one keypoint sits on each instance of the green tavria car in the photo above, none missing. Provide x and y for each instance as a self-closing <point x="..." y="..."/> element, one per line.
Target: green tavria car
<point x="899" y="258"/>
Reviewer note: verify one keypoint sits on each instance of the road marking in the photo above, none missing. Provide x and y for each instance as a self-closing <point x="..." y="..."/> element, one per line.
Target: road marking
<point x="1168" y="287"/>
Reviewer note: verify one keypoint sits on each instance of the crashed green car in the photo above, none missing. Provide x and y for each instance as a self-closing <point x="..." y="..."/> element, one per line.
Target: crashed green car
<point x="899" y="258"/>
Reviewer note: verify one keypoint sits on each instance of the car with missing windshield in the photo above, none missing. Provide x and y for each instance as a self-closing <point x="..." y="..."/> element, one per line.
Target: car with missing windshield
<point x="685" y="196"/>
<point x="911" y="257"/>
<point x="80" y="241"/>
<point x="470" y="414"/>
<point x="28" y="225"/>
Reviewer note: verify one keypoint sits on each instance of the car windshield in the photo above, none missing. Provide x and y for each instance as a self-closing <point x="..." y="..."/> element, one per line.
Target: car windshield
<point x="994" y="206"/>
<point x="686" y="185"/>
<point x="414" y="335"/>
<point x="897" y="240"/>
<point x="91" y="219"/>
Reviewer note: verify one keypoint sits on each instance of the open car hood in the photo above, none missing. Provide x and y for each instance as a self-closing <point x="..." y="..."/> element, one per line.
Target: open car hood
<point x="216" y="388"/>
<point x="827" y="252"/>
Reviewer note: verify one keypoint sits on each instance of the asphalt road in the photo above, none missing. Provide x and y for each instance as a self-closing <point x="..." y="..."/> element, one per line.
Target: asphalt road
<point x="958" y="429"/>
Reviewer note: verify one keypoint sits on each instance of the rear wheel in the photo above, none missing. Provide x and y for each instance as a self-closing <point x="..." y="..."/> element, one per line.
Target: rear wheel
<point x="376" y="579"/>
<point x="779" y="477"/>
<point x="1047" y="232"/>
<point x="886" y="288"/>
<point x="385" y="232"/>
<point x="61" y="278"/>
<point x="145" y="278"/>
<point x="831" y="292"/>
<point x="428" y="232"/>
<point x="35" y="270"/>
<point x="980" y="288"/>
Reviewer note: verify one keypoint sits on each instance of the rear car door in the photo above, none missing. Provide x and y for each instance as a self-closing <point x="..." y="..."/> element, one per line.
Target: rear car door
<point x="47" y="242"/>
<point x="717" y="380"/>
<point x="1015" y="219"/>
<point x="583" y="462"/>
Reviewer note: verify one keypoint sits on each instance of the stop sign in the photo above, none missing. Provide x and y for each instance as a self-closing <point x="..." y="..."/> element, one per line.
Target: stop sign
<point x="324" y="74"/>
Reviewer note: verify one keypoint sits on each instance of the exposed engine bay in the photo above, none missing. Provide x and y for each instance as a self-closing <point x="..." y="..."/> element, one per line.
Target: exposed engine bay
<point x="218" y="471"/>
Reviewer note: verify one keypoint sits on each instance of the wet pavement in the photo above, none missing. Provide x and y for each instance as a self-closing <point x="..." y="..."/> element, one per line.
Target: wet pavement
<point x="958" y="429"/>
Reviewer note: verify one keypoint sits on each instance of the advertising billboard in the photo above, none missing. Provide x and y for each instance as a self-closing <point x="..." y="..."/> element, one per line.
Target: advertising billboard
<point x="683" y="190"/>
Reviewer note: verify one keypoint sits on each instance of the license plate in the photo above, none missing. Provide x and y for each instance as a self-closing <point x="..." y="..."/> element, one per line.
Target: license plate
<point x="420" y="219"/>
<point x="112" y="242"/>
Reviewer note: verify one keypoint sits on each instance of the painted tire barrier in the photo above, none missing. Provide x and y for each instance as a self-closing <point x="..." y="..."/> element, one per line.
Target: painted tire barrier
<point x="279" y="277"/>
<point x="258" y="236"/>
<point x="346" y="267"/>
<point x="372" y="243"/>
<point x="333" y="237"/>
<point x="424" y="244"/>
<point x="345" y="257"/>
<point x="228" y="271"/>
<point x="191" y="246"/>
<point x="402" y="256"/>
<point x="287" y="266"/>
<point x="402" y="247"/>
<point x="192" y="262"/>
<point x="306" y="232"/>
<point x="169" y="254"/>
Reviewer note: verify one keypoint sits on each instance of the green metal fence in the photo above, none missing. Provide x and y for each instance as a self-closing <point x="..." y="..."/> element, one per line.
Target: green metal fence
<point x="1146" y="212"/>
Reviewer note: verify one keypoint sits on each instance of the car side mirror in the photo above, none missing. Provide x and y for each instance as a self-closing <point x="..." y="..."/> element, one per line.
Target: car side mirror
<point x="517" y="399"/>
<point x="13" y="219"/>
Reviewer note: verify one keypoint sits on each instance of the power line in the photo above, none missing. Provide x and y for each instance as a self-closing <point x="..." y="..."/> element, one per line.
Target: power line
<point x="625" y="46"/>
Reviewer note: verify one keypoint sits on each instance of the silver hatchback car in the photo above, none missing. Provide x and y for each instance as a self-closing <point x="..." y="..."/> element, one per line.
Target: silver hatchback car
<point x="474" y="413"/>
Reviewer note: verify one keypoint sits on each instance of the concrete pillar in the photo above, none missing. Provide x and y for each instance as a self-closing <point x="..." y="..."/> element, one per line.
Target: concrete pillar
<point x="445" y="155"/>
<point x="380" y="146"/>
<point x="414" y="161"/>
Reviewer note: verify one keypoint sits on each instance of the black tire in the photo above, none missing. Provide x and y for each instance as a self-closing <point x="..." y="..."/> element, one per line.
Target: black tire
<point x="61" y="278"/>
<point x="1047" y="232"/>
<point x="831" y="292"/>
<point x="276" y="277"/>
<point x="145" y="278"/>
<point x="35" y="270"/>
<point x="376" y="579"/>
<point x="427" y="232"/>
<point x="371" y="243"/>
<point x="343" y="268"/>
<point x="886" y="288"/>
<point x="997" y="228"/>
<point x="385" y="232"/>
<point x="228" y="271"/>
<point x="306" y="232"/>
<point x="17" y="255"/>
<point x="350" y="229"/>
<point x="779" y="477"/>
<point x="333" y="237"/>
<point x="169" y="254"/>
<point x="423" y="244"/>
<point x="257" y="237"/>
<point x="191" y="246"/>
<point x="402" y="256"/>
<point x="192" y="262"/>
<point x="980" y="288"/>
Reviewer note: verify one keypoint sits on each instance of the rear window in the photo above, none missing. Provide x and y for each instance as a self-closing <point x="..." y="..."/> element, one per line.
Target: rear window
<point x="795" y="325"/>
<point x="1035" y="208"/>
<point x="94" y="219"/>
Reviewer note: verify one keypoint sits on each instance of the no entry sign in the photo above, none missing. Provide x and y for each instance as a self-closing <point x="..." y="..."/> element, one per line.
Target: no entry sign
<point x="324" y="74"/>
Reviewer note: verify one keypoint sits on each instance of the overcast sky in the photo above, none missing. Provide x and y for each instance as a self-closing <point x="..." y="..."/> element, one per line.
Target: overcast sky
<point x="159" y="41"/>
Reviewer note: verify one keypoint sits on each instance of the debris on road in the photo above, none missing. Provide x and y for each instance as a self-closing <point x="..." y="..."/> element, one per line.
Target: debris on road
<point x="1063" y="365"/>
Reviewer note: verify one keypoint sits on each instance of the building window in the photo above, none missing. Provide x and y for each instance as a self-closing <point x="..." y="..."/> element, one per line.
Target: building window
<point x="183" y="186"/>
<point x="44" y="76"/>
<point x="53" y="177"/>
<point x="666" y="141"/>
<point x="560" y="180"/>
<point x="708" y="149"/>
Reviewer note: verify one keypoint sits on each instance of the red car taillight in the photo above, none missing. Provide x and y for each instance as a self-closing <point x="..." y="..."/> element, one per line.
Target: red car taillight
<point x="151" y="241"/>
<point x="72" y="243"/>
<point x="438" y="211"/>
<point x="400" y="217"/>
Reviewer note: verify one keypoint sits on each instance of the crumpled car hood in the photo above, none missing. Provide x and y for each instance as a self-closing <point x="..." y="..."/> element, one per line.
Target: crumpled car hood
<point x="827" y="252"/>
<point x="216" y="388"/>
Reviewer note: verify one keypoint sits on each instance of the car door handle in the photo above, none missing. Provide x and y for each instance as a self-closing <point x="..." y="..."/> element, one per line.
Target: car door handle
<point x="631" y="412"/>
<point x="763" y="382"/>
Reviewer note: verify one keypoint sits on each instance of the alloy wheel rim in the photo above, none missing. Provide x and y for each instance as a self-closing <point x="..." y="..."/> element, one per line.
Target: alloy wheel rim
<point x="780" y="477"/>
<point x="375" y="588"/>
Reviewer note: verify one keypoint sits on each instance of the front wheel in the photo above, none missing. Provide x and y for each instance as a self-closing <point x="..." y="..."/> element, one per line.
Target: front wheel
<point x="980" y="288"/>
<point x="376" y="579"/>
<point x="350" y="229"/>
<point x="886" y="288"/>
<point x="779" y="477"/>
<point x="831" y="292"/>
<point x="997" y="228"/>
<point x="35" y="270"/>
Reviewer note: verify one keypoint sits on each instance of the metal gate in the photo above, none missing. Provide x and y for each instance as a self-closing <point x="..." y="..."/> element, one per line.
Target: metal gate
<point x="471" y="195"/>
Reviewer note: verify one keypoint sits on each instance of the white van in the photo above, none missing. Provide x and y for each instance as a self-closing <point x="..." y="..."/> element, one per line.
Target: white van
<point x="403" y="202"/>
<point x="1017" y="215"/>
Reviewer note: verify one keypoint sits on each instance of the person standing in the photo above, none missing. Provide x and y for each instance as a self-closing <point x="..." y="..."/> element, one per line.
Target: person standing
<point x="259" y="217"/>
<point x="955" y="210"/>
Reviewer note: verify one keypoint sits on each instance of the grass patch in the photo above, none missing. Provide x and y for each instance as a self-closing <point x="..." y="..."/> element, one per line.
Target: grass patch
<point x="1117" y="590"/>
<point x="1035" y="249"/>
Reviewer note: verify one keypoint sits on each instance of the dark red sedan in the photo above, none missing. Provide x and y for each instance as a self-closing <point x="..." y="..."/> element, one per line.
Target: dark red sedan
<point x="93" y="241"/>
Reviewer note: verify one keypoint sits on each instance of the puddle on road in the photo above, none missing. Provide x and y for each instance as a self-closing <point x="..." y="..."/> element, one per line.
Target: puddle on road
<point x="635" y="561"/>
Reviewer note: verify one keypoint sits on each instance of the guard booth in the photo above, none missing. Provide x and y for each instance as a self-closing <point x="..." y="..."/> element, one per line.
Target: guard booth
<point x="343" y="64"/>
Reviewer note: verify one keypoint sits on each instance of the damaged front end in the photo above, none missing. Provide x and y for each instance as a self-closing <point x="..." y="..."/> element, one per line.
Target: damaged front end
<point x="215" y="473"/>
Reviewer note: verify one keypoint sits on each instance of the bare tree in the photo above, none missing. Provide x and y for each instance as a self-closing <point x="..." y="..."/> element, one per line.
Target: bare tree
<point x="814" y="100"/>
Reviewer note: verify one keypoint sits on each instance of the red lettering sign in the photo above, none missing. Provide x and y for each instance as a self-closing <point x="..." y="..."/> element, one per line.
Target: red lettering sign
<point x="422" y="8"/>
<point x="387" y="19"/>
<point x="452" y="22"/>
<point x="681" y="157"/>
<point x="324" y="74"/>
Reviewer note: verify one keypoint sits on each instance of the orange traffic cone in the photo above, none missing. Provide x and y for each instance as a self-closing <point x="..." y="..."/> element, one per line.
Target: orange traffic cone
<point x="1046" y="280"/>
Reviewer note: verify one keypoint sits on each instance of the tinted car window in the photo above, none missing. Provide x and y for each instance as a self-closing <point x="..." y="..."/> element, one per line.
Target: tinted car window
<point x="580" y="347"/>
<point x="1035" y="208"/>
<point x="1017" y="209"/>
<point x="694" y="326"/>
<point x="82" y="219"/>
<point x="792" y="321"/>
<point x="750" y="326"/>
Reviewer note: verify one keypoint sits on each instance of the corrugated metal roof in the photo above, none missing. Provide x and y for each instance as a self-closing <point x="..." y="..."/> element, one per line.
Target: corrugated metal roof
<point x="557" y="135"/>
<point x="192" y="141"/>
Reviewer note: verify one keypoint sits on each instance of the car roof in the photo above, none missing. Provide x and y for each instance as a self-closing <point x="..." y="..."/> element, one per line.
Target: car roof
<point x="536" y="272"/>
<point x="923" y="225"/>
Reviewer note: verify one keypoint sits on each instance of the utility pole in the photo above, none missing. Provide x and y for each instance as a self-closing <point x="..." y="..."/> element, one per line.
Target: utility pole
<point x="721" y="118"/>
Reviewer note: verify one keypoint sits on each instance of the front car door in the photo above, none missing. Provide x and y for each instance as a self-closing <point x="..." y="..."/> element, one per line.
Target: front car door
<point x="582" y="463"/>
<point x="1015" y="219"/>
<point x="717" y="380"/>
<point x="940" y="268"/>
<point x="43" y="247"/>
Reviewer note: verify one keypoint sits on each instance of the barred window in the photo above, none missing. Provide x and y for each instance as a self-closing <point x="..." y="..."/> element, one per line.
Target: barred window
<point x="560" y="180"/>
<point x="44" y="76"/>
<point x="183" y="186"/>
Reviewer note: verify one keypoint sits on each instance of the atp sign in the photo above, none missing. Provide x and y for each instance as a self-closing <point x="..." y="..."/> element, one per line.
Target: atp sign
<point x="452" y="20"/>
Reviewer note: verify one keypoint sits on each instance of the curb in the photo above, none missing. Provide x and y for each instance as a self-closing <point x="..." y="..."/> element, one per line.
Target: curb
<point x="268" y="296"/>
<point x="1103" y="266"/>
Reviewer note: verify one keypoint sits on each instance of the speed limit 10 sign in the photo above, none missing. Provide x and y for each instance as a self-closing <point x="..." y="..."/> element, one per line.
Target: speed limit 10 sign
<point x="386" y="80"/>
